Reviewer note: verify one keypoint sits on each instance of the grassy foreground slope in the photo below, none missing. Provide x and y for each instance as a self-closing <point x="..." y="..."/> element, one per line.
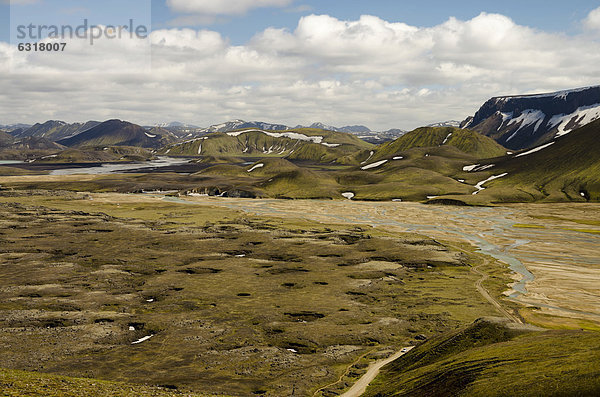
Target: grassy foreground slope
<point x="15" y="383"/>
<point x="490" y="358"/>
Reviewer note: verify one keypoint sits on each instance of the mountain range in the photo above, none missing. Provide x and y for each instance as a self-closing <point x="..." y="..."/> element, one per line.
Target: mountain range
<point x="552" y="140"/>
<point x="54" y="130"/>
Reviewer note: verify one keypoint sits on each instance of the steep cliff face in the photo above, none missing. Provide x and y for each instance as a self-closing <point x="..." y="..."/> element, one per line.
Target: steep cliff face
<point x="519" y="122"/>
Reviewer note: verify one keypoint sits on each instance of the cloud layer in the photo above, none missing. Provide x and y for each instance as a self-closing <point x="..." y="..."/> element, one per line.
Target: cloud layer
<point x="222" y="7"/>
<point x="369" y="71"/>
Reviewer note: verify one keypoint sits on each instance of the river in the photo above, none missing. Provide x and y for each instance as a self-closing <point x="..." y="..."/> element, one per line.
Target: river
<point x="109" y="168"/>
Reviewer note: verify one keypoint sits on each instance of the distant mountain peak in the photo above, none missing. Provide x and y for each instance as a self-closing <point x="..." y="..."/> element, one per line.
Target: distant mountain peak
<point x="239" y="124"/>
<point x="449" y="123"/>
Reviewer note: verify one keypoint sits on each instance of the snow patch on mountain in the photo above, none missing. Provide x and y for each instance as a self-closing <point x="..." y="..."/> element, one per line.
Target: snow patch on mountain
<point x="479" y="185"/>
<point x="537" y="149"/>
<point x="260" y="165"/>
<point x="446" y="140"/>
<point x="469" y="168"/>
<point x="583" y="115"/>
<point x="374" y="165"/>
<point x="290" y="135"/>
<point x="527" y="118"/>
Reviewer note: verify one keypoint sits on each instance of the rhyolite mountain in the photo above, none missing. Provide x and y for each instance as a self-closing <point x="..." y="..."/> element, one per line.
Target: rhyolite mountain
<point x="118" y="133"/>
<point x="54" y="130"/>
<point x="525" y="121"/>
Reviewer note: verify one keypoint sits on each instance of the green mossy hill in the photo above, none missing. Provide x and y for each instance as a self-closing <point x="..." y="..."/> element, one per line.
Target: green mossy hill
<point x="21" y="383"/>
<point x="273" y="177"/>
<point x="257" y="143"/>
<point x="301" y="184"/>
<point x="567" y="170"/>
<point x="466" y="141"/>
<point x="495" y="358"/>
<point x="218" y="160"/>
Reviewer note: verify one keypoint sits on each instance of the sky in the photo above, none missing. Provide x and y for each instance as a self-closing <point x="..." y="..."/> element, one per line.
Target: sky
<point x="383" y="64"/>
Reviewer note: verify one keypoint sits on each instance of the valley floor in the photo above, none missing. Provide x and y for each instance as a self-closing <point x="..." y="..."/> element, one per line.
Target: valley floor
<point x="271" y="297"/>
<point x="551" y="248"/>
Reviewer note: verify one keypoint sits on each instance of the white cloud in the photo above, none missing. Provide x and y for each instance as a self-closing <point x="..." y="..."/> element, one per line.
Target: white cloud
<point x="592" y="22"/>
<point x="222" y="7"/>
<point x="368" y="71"/>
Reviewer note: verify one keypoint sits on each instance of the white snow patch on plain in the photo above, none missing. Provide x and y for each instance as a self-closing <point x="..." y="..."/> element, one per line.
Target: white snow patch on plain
<point x="131" y="328"/>
<point x="200" y="148"/>
<point x="432" y="197"/>
<point x="396" y="200"/>
<point x="374" y="165"/>
<point x="150" y="300"/>
<point x="168" y="151"/>
<point x="582" y="194"/>
<point x="150" y="135"/>
<point x="256" y="166"/>
<point x="461" y="180"/>
<point x="368" y="158"/>
<point x="292" y="350"/>
<point x="582" y="116"/>
<point x="509" y="152"/>
<point x="330" y="144"/>
<point x="348" y="195"/>
<point x="537" y="149"/>
<point x="145" y="338"/>
<point x="469" y="168"/>
<point x="480" y="187"/>
<point x="398" y="158"/>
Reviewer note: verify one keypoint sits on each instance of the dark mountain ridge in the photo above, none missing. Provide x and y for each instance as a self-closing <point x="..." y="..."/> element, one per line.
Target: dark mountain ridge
<point x="117" y="133"/>
<point x="525" y="121"/>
